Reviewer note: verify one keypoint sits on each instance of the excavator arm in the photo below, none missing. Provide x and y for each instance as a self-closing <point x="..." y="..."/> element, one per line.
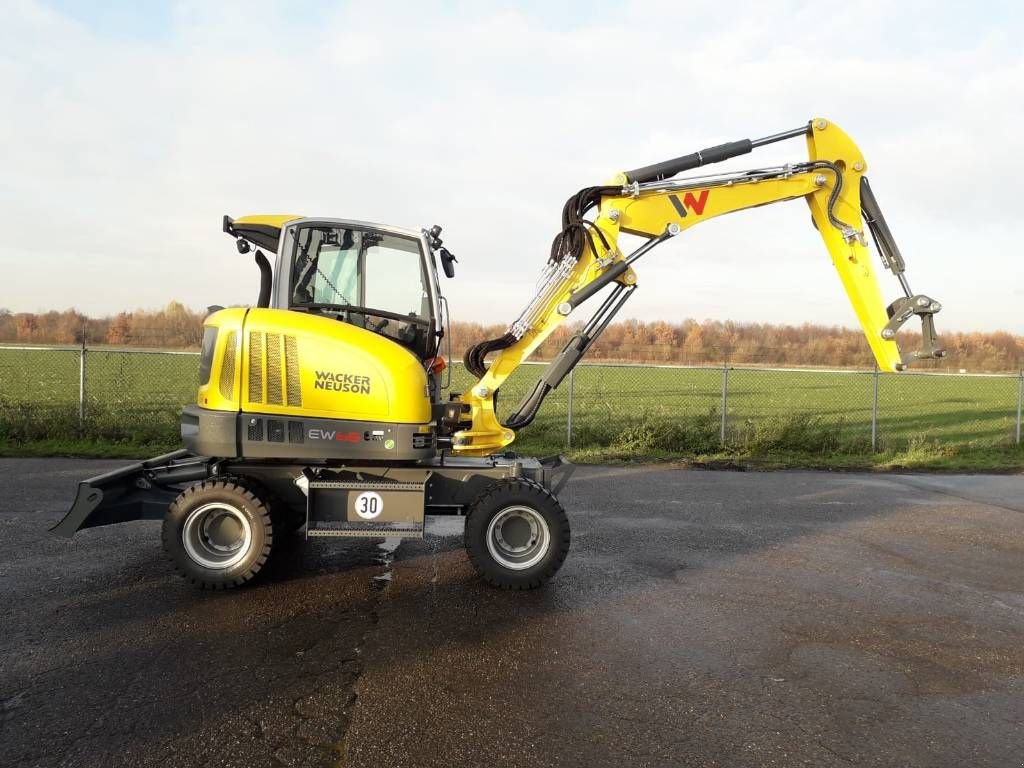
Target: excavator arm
<point x="649" y="202"/>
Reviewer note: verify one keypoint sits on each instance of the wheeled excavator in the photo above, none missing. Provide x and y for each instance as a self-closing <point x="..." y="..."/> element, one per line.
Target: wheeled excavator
<point x="324" y="406"/>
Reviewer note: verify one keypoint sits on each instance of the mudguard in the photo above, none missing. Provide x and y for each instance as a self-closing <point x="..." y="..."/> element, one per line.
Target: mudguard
<point x="140" y="491"/>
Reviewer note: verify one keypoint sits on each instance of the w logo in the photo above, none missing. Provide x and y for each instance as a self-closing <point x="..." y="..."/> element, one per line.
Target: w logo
<point x="689" y="202"/>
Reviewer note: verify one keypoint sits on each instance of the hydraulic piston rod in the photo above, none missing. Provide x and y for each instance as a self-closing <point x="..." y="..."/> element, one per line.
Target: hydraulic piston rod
<point x="668" y="168"/>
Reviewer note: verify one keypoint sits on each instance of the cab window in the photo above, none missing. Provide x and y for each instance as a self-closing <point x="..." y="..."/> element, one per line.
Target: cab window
<point x="375" y="280"/>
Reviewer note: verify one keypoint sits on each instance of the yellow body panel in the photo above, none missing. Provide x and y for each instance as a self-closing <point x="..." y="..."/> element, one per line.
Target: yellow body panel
<point x="276" y="220"/>
<point x="650" y="212"/>
<point x="220" y="392"/>
<point x="293" y="363"/>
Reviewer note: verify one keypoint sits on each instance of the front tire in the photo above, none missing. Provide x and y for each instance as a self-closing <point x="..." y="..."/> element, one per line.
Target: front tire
<point x="218" y="534"/>
<point x="517" y="534"/>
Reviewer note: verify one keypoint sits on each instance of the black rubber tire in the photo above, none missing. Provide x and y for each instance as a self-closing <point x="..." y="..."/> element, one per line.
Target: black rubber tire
<point x="252" y="500"/>
<point x="287" y="525"/>
<point x="290" y="521"/>
<point x="512" y="492"/>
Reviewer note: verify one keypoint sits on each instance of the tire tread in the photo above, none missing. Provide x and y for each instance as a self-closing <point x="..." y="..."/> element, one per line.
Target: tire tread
<point x="480" y="560"/>
<point x="254" y="495"/>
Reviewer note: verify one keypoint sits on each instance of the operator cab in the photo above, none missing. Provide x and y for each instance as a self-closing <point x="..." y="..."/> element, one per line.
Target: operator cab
<point x="380" y="278"/>
<point x="369" y="278"/>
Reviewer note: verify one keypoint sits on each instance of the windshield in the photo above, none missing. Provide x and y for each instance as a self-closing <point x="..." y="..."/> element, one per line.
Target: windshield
<point x="371" y="279"/>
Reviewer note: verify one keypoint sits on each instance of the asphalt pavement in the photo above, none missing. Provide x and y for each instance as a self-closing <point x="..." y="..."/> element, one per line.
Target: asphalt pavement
<point x="702" y="619"/>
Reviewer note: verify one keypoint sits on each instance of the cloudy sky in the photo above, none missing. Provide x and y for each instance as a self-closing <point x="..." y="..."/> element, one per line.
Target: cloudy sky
<point x="127" y="132"/>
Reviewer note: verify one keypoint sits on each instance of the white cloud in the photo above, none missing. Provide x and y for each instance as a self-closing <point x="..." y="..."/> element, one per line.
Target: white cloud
<point x="120" y="154"/>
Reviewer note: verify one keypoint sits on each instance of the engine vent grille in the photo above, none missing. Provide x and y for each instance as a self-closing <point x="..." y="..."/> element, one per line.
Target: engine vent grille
<point x="227" y="367"/>
<point x="274" y="369"/>
<point x="291" y="370"/>
<point x="275" y="430"/>
<point x="256" y="367"/>
<point x="274" y="394"/>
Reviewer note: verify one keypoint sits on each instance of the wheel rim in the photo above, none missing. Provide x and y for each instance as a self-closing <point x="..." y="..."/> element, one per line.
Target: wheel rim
<point x="518" y="537"/>
<point x="217" y="535"/>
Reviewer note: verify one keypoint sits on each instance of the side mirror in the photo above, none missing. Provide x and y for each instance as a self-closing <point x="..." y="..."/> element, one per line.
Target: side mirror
<point x="448" y="262"/>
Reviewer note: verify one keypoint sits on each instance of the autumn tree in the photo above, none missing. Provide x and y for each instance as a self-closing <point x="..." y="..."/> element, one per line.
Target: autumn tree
<point x="27" y="326"/>
<point x="120" y="329"/>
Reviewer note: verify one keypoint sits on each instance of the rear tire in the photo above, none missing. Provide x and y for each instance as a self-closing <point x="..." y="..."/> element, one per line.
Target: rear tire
<point x="219" y="533"/>
<point x="517" y="534"/>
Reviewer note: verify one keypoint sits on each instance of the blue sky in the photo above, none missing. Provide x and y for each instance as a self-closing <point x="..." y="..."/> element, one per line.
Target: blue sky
<point x="130" y="128"/>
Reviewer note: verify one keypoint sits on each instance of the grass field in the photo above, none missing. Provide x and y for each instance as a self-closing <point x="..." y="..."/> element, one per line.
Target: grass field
<point x="773" y="417"/>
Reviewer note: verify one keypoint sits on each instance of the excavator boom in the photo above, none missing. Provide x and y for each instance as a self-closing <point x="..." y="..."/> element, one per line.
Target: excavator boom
<point x="649" y="202"/>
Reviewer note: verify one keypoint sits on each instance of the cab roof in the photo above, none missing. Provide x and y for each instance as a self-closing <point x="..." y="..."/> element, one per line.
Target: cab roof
<point x="263" y="229"/>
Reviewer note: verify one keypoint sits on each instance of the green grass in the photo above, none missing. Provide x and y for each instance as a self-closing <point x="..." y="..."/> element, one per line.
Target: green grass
<point x="773" y="418"/>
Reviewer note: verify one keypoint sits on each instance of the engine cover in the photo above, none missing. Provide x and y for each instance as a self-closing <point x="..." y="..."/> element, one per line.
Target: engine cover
<point x="293" y="363"/>
<point x="261" y="368"/>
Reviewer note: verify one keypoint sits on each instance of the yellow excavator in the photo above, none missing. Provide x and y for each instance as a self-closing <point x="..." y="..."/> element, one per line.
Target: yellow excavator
<point x="324" y="406"/>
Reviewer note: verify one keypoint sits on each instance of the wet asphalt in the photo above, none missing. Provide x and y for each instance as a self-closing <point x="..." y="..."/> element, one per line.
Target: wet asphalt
<point x="702" y="619"/>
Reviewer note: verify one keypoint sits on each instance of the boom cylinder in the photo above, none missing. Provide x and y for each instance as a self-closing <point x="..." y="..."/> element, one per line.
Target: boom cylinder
<point x="668" y="168"/>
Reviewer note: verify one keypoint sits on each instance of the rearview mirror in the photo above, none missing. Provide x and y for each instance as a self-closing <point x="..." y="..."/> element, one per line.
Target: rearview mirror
<point x="448" y="262"/>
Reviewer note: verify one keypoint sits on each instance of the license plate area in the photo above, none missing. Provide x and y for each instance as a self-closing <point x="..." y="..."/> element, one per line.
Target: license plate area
<point x="354" y="509"/>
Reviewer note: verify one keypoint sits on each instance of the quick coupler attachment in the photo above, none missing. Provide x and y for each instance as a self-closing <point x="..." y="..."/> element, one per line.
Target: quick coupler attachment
<point x="924" y="307"/>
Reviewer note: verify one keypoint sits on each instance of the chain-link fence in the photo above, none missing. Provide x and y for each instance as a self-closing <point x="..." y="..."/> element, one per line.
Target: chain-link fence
<point x="134" y="396"/>
<point x="105" y="394"/>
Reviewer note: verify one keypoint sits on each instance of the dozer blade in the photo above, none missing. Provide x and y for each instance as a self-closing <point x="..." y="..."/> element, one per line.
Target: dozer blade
<point x="138" y="491"/>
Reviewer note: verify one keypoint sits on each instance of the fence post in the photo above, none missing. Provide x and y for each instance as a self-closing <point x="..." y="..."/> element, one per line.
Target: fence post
<point x="81" y="386"/>
<point x="1020" y="401"/>
<point x="874" y="411"/>
<point x="725" y="400"/>
<point x="568" y="415"/>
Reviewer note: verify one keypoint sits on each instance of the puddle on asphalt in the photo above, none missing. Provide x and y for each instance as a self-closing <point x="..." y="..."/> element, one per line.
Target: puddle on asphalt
<point x="386" y="558"/>
<point x="388" y="546"/>
<point x="436" y="526"/>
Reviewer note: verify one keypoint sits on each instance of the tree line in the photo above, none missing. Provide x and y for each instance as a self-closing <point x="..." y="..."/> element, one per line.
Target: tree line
<point x="710" y="342"/>
<point x="174" y="326"/>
